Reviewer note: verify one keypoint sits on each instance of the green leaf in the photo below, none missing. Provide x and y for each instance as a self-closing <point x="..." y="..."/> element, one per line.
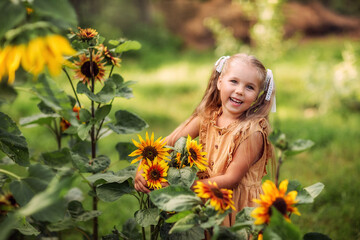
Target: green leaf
<point x="124" y="149"/>
<point x="52" y="96"/>
<point x="183" y="177"/>
<point x="109" y="177"/>
<point x="25" y="189"/>
<point x="83" y="130"/>
<point x="12" y="142"/>
<point x="52" y="195"/>
<point x="279" y="228"/>
<point x="114" y="42"/>
<point x="221" y="232"/>
<point x="110" y="192"/>
<point x="7" y="92"/>
<point x="23" y="226"/>
<point x="11" y="14"/>
<point x="102" y="112"/>
<point x="147" y="217"/>
<point x="127" y="123"/>
<point x="178" y="216"/>
<point x="308" y="194"/>
<point x="84" y="115"/>
<point x="293" y="186"/>
<point x="58" y="10"/>
<point x="106" y="94"/>
<point x="174" y="198"/>
<point x="122" y="89"/>
<point x="78" y="213"/>
<point x="180" y="145"/>
<point x="127" y="46"/>
<point x="279" y="140"/>
<point x="96" y="165"/>
<point x="57" y="158"/>
<point x="129" y="230"/>
<point x="298" y="146"/>
<point x="186" y="223"/>
<point x="315" y="236"/>
<point x="40" y="119"/>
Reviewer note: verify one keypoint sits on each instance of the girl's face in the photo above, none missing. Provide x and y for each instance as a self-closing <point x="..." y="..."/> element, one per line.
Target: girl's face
<point x="239" y="87"/>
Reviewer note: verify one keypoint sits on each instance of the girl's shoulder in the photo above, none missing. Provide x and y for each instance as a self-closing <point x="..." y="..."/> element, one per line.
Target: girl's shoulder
<point x="254" y="124"/>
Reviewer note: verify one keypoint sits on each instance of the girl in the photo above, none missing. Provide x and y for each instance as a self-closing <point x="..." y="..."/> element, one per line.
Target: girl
<point x="232" y="124"/>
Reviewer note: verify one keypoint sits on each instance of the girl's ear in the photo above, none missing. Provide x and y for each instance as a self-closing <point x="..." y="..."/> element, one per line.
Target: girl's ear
<point x="218" y="84"/>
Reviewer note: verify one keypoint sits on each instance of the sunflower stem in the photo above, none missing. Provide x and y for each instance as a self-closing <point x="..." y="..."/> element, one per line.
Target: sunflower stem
<point x="10" y="174"/>
<point x="143" y="233"/>
<point x="111" y="70"/>
<point x="57" y="132"/>
<point x="72" y="86"/>
<point x="280" y="161"/>
<point x="93" y="147"/>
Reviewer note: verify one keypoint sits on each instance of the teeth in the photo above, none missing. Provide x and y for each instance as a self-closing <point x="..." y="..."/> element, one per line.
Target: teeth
<point x="236" y="101"/>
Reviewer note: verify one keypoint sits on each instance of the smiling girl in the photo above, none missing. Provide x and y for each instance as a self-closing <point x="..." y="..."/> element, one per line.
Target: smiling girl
<point x="232" y="124"/>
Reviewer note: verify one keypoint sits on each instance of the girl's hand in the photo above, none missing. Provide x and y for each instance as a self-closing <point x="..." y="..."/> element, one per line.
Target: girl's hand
<point x="140" y="182"/>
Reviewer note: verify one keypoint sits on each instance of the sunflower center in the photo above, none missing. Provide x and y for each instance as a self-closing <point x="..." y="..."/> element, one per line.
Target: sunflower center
<point x="85" y="69"/>
<point x="280" y="205"/>
<point x="193" y="154"/>
<point x="150" y="153"/>
<point x="217" y="192"/>
<point x="155" y="174"/>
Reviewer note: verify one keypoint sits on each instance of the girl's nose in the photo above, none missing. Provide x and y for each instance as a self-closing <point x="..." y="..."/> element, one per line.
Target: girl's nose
<point x="239" y="90"/>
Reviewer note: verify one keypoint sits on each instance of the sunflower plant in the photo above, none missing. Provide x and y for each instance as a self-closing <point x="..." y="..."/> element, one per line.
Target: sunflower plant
<point x="35" y="44"/>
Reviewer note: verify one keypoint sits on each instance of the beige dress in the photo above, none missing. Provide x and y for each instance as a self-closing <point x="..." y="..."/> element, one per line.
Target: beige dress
<point x="221" y="144"/>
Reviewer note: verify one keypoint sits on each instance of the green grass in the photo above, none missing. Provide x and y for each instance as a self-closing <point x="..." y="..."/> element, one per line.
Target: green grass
<point x="166" y="94"/>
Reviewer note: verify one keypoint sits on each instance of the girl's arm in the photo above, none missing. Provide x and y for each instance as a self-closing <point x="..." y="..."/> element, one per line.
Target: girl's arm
<point x="247" y="154"/>
<point x="190" y="127"/>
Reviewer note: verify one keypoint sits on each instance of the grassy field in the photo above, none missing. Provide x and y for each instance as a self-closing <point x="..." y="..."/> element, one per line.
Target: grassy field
<point x="167" y="92"/>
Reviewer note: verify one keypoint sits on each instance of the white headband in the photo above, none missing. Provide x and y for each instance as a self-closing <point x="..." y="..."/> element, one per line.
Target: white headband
<point x="220" y="63"/>
<point x="269" y="84"/>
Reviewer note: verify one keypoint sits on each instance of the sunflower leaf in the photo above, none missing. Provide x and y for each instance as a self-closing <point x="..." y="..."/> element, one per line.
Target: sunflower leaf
<point x="147" y="217"/>
<point x="127" y="46"/>
<point x="96" y="165"/>
<point x="185" y="223"/>
<point x="40" y="119"/>
<point x="106" y="94"/>
<point x="59" y="10"/>
<point x="279" y="228"/>
<point x="11" y="13"/>
<point x="174" y="198"/>
<point x="183" y="177"/>
<point x="127" y="123"/>
<point x="124" y="149"/>
<point x="298" y="146"/>
<point x="56" y="158"/>
<point x="110" y="192"/>
<point x="12" y="142"/>
<point x="308" y="194"/>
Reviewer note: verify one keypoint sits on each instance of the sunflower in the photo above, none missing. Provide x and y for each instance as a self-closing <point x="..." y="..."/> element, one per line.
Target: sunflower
<point x="109" y="56"/>
<point x="149" y="149"/>
<point x="7" y="203"/>
<point x="195" y="155"/>
<point x="277" y="198"/>
<point x="220" y="199"/>
<point x="83" y="68"/>
<point x="86" y="33"/>
<point x="35" y="55"/>
<point x="155" y="172"/>
<point x="64" y="124"/>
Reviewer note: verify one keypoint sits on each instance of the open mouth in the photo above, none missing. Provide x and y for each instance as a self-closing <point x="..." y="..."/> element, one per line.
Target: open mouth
<point x="234" y="100"/>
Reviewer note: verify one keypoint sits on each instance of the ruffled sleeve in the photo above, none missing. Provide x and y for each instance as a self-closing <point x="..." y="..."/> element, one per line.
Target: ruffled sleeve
<point x="245" y="130"/>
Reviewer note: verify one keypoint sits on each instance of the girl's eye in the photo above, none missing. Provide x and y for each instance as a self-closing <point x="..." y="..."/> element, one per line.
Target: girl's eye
<point x="250" y="87"/>
<point x="233" y="81"/>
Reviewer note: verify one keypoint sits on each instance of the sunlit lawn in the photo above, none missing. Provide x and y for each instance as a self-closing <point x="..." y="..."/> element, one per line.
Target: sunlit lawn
<point x="167" y="94"/>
